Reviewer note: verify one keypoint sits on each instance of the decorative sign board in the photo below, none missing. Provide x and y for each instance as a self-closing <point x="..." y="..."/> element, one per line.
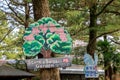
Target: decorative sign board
<point x="46" y="34"/>
<point x="48" y="63"/>
<point x="91" y="71"/>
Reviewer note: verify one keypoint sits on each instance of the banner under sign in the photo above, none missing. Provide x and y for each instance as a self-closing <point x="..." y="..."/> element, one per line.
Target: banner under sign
<point x="48" y="63"/>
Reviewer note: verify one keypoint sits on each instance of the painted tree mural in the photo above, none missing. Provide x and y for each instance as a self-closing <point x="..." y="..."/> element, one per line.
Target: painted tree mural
<point x="46" y="35"/>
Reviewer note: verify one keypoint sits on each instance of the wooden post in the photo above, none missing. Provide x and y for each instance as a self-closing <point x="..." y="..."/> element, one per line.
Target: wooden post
<point x="49" y="73"/>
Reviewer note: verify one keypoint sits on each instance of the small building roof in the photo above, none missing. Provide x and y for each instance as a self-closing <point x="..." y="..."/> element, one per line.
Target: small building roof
<point x="11" y="72"/>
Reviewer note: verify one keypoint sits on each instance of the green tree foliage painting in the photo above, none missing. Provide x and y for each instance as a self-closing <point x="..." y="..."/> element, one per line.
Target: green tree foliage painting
<point x="46" y="34"/>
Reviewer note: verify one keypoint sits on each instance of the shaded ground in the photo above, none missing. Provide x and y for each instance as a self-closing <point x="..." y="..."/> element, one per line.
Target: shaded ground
<point x="118" y="77"/>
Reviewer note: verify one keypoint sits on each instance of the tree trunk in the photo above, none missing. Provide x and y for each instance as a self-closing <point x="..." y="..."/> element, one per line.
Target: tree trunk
<point x="40" y="9"/>
<point x="93" y="27"/>
<point x="92" y="31"/>
<point x="27" y="15"/>
<point x="114" y="73"/>
<point x="49" y="74"/>
<point x="108" y="71"/>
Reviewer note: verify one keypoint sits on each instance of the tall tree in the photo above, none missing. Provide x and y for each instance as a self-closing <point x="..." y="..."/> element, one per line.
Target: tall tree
<point x="94" y="13"/>
<point x="93" y="25"/>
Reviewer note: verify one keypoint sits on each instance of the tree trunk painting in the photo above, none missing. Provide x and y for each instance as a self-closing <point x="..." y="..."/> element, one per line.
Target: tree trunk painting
<point x="49" y="73"/>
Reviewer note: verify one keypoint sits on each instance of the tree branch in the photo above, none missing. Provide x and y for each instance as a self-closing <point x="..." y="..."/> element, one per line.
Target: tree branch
<point x="16" y="19"/>
<point x="104" y="7"/>
<point x="20" y="10"/>
<point x="78" y="31"/>
<point x="105" y="34"/>
<point x="108" y="33"/>
<point x="17" y="3"/>
<point x="6" y="34"/>
<point x="14" y="12"/>
<point x="114" y="12"/>
<point x="115" y="41"/>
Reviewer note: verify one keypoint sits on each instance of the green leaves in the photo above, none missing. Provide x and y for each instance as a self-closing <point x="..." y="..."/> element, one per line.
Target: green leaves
<point x="109" y="52"/>
<point x="29" y="1"/>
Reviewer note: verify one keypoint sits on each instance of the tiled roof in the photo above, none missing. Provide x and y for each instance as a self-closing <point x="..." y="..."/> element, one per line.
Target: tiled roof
<point x="9" y="71"/>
